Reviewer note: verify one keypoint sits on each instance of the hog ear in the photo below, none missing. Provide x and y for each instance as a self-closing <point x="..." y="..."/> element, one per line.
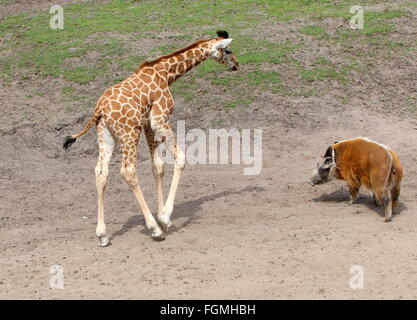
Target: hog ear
<point x="329" y="152"/>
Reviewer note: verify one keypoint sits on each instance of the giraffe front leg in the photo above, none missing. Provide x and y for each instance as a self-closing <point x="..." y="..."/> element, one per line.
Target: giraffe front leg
<point x="164" y="216"/>
<point x="128" y="172"/>
<point x="157" y="165"/>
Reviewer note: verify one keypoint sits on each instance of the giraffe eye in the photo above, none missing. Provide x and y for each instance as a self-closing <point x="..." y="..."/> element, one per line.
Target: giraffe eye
<point x="227" y="51"/>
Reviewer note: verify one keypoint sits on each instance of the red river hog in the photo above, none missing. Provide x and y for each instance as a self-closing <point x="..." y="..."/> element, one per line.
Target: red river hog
<point x="363" y="162"/>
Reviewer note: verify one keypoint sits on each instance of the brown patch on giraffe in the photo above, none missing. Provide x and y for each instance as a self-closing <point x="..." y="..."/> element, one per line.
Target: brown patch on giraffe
<point x="145" y="78"/>
<point x="163" y="85"/>
<point x="148" y="71"/>
<point x="115" y="105"/>
<point x="127" y="129"/>
<point x="153" y="86"/>
<point x="158" y="94"/>
<point x="181" y="68"/>
<point x="136" y="100"/>
<point x="156" y="110"/>
<point x="109" y="121"/>
<point x="127" y="93"/>
<point x="155" y="95"/>
<point x="107" y="93"/>
<point x="173" y="68"/>
<point x="116" y="115"/>
<point x="136" y="92"/>
<point x="126" y="84"/>
<point x="189" y="63"/>
<point x="123" y="120"/>
<point x="106" y="109"/>
<point x="170" y="104"/>
<point x="145" y="90"/>
<point x="159" y="67"/>
<point x="123" y="99"/>
<point x="125" y="109"/>
<point x="144" y="100"/>
<point x="163" y="102"/>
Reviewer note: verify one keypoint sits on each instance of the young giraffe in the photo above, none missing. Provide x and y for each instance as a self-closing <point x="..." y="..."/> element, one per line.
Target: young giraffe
<point x="144" y="101"/>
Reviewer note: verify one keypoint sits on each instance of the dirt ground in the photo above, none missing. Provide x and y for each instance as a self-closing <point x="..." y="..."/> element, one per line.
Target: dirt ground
<point x="251" y="237"/>
<point x="268" y="236"/>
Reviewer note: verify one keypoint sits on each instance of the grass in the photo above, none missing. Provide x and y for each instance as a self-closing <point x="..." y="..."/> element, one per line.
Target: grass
<point x="94" y="41"/>
<point x="68" y="90"/>
<point x="322" y="69"/>
<point x="237" y="102"/>
<point x="316" y="31"/>
<point x="131" y="62"/>
<point x="321" y="74"/>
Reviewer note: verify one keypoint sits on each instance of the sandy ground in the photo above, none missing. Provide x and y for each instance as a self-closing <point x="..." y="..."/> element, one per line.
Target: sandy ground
<point x="253" y="237"/>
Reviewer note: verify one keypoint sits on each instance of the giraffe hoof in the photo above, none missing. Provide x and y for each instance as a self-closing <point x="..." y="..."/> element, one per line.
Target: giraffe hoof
<point x="160" y="236"/>
<point x="164" y="224"/>
<point x="103" y="241"/>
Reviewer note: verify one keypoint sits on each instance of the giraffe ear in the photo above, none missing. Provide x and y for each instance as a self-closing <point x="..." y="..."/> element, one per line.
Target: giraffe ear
<point x="221" y="44"/>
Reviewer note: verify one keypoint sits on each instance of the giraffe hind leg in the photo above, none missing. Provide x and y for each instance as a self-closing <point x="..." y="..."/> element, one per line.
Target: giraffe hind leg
<point x="106" y="144"/>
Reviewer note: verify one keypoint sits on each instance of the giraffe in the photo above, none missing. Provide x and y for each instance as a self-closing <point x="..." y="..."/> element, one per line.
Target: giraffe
<point x="143" y="102"/>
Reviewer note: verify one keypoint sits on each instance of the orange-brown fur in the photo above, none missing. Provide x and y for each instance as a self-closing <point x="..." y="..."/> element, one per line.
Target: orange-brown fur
<point x="361" y="162"/>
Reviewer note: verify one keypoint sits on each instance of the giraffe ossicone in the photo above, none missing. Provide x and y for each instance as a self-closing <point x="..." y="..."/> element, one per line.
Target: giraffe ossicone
<point x="143" y="102"/>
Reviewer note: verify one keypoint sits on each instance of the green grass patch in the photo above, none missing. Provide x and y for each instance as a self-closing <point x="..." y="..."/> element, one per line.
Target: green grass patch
<point x="185" y="89"/>
<point x="131" y="63"/>
<point x="323" y="69"/>
<point x="91" y="31"/>
<point x="317" y="32"/>
<point x="254" y="51"/>
<point x="68" y="90"/>
<point x="321" y="74"/>
<point x="81" y="75"/>
<point x="237" y="102"/>
<point x="377" y="29"/>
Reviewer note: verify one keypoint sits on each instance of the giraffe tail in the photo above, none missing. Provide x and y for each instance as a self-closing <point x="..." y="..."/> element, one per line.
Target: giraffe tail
<point x="69" y="140"/>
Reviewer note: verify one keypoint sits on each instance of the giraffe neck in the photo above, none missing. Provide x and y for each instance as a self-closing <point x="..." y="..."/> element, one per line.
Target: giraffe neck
<point x="181" y="63"/>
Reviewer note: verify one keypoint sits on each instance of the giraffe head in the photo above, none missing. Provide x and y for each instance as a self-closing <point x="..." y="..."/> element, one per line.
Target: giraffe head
<point x="221" y="52"/>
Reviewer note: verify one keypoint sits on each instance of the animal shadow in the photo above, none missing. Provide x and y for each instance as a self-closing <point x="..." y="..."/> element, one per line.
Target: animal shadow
<point x="186" y="209"/>
<point x="342" y="195"/>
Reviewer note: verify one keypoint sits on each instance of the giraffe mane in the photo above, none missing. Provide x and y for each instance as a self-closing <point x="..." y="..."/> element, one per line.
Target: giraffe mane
<point x="223" y="34"/>
<point x="170" y="55"/>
